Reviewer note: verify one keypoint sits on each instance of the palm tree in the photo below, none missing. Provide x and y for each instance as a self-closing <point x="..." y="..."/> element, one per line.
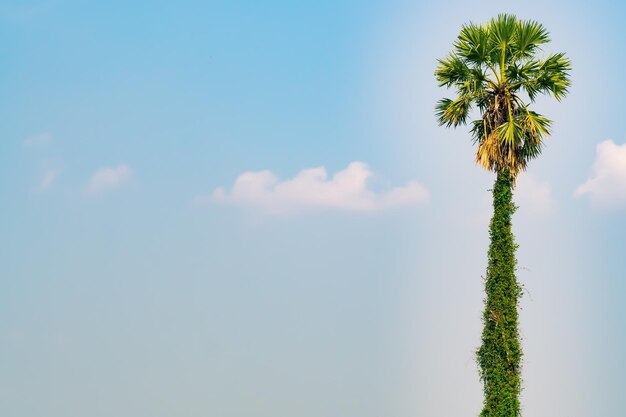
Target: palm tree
<point x="495" y="68"/>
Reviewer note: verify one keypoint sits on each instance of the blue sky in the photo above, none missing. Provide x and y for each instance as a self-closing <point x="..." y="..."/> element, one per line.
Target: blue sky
<point x="171" y="244"/>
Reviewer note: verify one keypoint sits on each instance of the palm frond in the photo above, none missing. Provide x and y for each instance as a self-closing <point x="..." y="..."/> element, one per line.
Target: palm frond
<point x="473" y="44"/>
<point x="555" y="78"/>
<point x="531" y="150"/>
<point x="453" y="112"/>
<point x="518" y="73"/>
<point x="502" y="31"/>
<point x="529" y="36"/>
<point x="535" y="126"/>
<point x="478" y="130"/>
<point x="489" y="152"/>
<point x="451" y="70"/>
<point x="510" y="133"/>
<point x="503" y="28"/>
<point x="550" y="77"/>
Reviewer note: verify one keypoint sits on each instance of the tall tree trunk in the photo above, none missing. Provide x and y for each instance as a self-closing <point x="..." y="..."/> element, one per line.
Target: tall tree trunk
<point x="500" y="354"/>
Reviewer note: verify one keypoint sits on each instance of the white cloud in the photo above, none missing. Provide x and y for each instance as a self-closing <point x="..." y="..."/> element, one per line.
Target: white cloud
<point x="533" y="196"/>
<point x="109" y="178"/>
<point x="38" y="140"/>
<point x="346" y="190"/>
<point x="607" y="185"/>
<point x="48" y="180"/>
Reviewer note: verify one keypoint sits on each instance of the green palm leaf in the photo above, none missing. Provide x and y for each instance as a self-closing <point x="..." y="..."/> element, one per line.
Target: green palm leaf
<point x="453" y="112"/>
<point x="473" y="44"/>
<point x="529" y="36"/>
<point x="511" y="133"/>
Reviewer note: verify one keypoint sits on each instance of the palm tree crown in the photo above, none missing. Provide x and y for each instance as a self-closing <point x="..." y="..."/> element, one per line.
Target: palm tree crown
<point x="495" y="67"/>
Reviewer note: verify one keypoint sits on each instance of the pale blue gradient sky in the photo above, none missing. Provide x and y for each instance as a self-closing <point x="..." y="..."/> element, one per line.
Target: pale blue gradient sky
<point x="133" y="301"/>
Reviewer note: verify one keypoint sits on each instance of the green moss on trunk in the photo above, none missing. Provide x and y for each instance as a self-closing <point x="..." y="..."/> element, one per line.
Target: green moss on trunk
<point x="499" y="356"/>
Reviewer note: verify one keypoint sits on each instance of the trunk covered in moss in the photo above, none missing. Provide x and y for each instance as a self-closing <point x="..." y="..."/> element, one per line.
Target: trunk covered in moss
<point x="500" y="354"/>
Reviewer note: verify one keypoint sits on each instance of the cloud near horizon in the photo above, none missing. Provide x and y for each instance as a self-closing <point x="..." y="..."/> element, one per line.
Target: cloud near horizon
<point x="346" y="190"/>
<point x="607" y="185"/>
<point x="108" y="179"/>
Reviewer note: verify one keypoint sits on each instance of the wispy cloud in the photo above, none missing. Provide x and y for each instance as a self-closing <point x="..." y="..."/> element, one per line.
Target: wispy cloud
<point x="346" y="190"/>
<point x="109" y="178"/>
<point x="534" y="196"/>
<point x="606" y="186"/>
<point x="38" y="140"/>
<point x="48" y="180"/>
